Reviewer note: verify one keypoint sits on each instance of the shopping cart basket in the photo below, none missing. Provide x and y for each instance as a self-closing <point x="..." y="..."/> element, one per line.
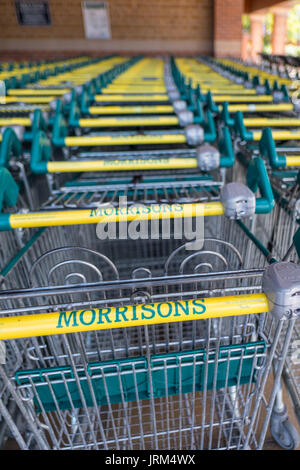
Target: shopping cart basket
<point x="190" y="384"/>
<point x="140" y="375"/>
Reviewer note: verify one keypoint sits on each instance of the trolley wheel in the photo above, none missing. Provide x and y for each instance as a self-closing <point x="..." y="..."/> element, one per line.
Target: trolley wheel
<point x="283" y="431"/>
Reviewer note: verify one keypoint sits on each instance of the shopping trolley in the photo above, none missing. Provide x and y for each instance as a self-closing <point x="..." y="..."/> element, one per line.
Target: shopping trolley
<point x="288" y="128"/>
<point x="15" y="156"/>
<point x="252" y="112"/>
<point x="214" y="101"/>
<point x="25" y="127"/>
<point x="176" y="113"/>
<point x="192" y="134"/>
<point x="208" y="157"/>
<point x="132" y="372"/>
<point x="148" y="176"/>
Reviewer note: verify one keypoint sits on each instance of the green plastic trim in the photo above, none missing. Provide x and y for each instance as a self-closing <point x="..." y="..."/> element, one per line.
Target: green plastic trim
<point x="9" y="190"/>
<point x="40" y="153"/>
<point x="257" y="179"/>
<point x="267" y="149"/>
<point x="38" y="123"/>
<point x="226" y="150"/>
<point x="60" y="130"/>
<point x="256" y="81"/>
<point x="74" y="114"/>
<point x="198" y="113"/>
<point x="240" y="127"/>
<point x="4" y="223"/>
<point x="97" y="85"/>
<point x="84" y="101"/>
<point x="25" y="79"/>
<point x="211" y="104"/>
<point x="199" y="95"/>
<point x="183" y="88"/>
<point x="129" y="380"/>
<point x="65" y="109"/>
<point x="285" y="174"/>
<point x="225" y="115"/>
<point x="286" y="96"/>
<point x="267" y="87"/>
<point x="10" y="147"/>
<point x="90" y="90"/>
<point x="191" y="105"/>
<point x="210" y="133"/>
<point x="296" y="240"/>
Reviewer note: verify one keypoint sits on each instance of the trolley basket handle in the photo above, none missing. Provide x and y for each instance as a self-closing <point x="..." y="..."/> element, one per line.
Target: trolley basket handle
<point x="40" y="153"/>
<point x="9" y="189"/>
<point x="257" y="178"/>
<point x="10" y="147"/>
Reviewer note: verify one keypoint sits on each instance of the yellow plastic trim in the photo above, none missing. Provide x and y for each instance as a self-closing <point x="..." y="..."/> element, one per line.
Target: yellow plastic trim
<point x="106" y="98"/>
<point x="104" y="318"/>
<point x="117" y="165"/>
<point x="130" y="109"/>
<point x="125" y="140"/>
<point x="130" y="121"/>
<point x="114" y="214"/>
<point x="293" y="160"/>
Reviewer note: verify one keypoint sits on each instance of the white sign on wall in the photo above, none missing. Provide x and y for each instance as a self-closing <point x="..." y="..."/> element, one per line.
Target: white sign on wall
<point x="96" y="20"/>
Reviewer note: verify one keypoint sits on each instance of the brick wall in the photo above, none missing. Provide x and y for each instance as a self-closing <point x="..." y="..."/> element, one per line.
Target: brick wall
<point x="137" y="26"/>
<point x="228" y="27"/>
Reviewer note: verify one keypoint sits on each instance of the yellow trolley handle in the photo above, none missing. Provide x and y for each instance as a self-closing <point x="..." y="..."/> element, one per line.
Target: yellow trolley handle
<point x="129" y="121"/>
<point x="103" y="318"/>
<point x="279" y="135"/>
<point x="124" y="140"/>
<point x="38" y="91"/>
<point x="131" y="98"/>
<point x="109" y="215"/>
<point x="117" y="165"/>
<point x="152" y="109"/>
<point x="281" y="290"/>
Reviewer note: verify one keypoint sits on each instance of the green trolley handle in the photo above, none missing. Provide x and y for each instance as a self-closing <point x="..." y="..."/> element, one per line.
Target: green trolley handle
<point x="10" y="147"/>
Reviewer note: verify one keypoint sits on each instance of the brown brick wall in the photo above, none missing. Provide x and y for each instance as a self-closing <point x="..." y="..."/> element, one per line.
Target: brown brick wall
<point x="228" y="27"/>
<point x="184" y="26"/>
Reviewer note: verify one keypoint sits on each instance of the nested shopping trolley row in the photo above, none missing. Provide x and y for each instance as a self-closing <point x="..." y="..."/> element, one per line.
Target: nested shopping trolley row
<point x="163" y="321"/>
<point x="168" y="343"/>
